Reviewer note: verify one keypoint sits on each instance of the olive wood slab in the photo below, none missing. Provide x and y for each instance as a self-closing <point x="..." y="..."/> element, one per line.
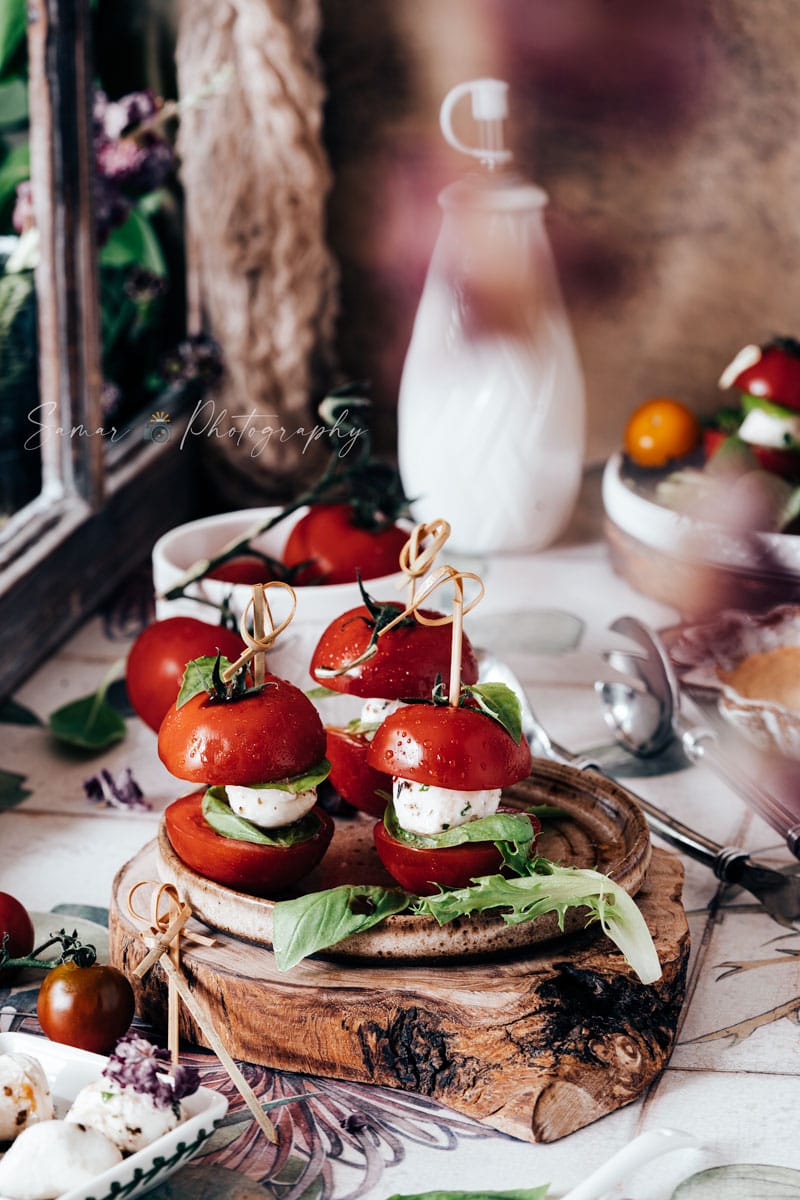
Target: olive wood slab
<point x="536" y="1043"/>
<point x="602" y="828"/>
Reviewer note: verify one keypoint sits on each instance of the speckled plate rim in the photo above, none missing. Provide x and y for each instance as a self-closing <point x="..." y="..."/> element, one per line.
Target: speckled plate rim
<point x="606" y="814"/>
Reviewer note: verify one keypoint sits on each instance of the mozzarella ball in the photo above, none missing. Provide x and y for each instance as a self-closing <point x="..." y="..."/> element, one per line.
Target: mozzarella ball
<point x="423" y="808"/>
<point x="270" y="807"/>
<point x="126" y="1117"/>
<point x="24" y="1095"/>
<point x="52" y="1158"/>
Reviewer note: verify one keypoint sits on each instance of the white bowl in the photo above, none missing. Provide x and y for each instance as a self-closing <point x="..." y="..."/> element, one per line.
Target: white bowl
<point x="702" y="652"/>
<point x="182" y="547"/>
<point x="68" y="1070"/>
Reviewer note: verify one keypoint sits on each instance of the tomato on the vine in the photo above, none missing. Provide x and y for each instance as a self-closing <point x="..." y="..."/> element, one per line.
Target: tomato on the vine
<point x="158" y="658"/>
<point x="245" y="866"/>
<point x="659" y="431"/>
<point x="336" y="547"/>
<point x="244" y="568"/>
<point x="419" y="870"/>
<point x="16" y="923"/>
<point x="88" y="1007"/>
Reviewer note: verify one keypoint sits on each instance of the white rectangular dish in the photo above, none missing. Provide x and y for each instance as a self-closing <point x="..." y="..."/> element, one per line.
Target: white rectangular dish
<point x="68" y="1070"/>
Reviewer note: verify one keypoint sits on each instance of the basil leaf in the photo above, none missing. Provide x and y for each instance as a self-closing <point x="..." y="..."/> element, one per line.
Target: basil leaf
<point x="89" y="723"/>
<point x="199" y="677"/>
<point x="498" y="701"/>
<point x="741" y="1181"/>
<point x="550" y="888"/>
<point x="359" y="726"/>
<point x="13" y="713"/>
<point x="299" y="783"/>
<point x="500" y="827"/>
<point x="224" y="821"/>
<point x="537" y="1193"/>
<point x="321" y="693"/>
<point x="321" y="919"/>
<point x="12" y="789"/>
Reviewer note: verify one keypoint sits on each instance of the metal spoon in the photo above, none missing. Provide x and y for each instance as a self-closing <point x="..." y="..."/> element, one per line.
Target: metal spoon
<point x="644" y="718"/>
<point x="776" y="891"/>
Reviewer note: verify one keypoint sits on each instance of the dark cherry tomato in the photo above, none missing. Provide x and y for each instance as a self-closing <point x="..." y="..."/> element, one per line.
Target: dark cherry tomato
<point x="89" y="1007"/>
<point x="771" y="372"/>
<point x="419" y="871"/>
<point x="351" y="775"/>
<point x="243" y="569"/>
<point x="273" y="734"/>
<point x="159" y="656"/>
<point x="244" y="866"/>
<point x="15" y="922"/>
<point x="449" y="747"/>
<point x="408" y="659"/>
<point x="785" y="463"/>
<point x="336" y="548"/>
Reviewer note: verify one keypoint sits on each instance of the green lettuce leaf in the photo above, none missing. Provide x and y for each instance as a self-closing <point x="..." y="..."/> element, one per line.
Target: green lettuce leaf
<point x="224" y="821"/>
<point x="550" y="888"/>
<point x="321" y="919"/>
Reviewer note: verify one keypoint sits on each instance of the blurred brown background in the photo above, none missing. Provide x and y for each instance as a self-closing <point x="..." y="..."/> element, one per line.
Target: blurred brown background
<point x="667" y="138"/>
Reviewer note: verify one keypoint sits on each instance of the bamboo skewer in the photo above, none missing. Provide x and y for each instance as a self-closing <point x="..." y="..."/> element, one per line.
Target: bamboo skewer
<point x="261" y="639"/>
<point x="420" y="551"/>
<point x="163" y="938"/>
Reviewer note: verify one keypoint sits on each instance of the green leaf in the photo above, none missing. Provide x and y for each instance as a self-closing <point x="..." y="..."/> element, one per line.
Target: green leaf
<point x="13" y="22"/>
<point x="500" y="827"/>
<point x="13" y="103"/>
<point x="134" y="243"/>
<point x="299" y="783"/>
<point x="498" y="701"/>
<point x="12" y="791"/>
<point x="13" y="713"/>
<point x="749" y="403"/>
<point x="537" y="1193"/>
<point x="321" y="919"/>
<point x="89" y="723"/>
<point x="550" y="888"/>
<point x="223" y="820"/>
<point x="199" y="677"/>
<point x="321" y="693"/>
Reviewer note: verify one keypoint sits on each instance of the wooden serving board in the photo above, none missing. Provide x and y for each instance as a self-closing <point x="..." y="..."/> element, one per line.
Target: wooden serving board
<point x="536" y="1042"/>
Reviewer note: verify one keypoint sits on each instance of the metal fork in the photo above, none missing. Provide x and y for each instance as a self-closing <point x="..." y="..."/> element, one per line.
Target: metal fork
<point x="777" y="891"/>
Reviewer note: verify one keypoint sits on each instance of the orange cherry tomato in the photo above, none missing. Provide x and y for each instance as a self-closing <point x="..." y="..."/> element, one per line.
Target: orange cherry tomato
<point x="659" y="431"/>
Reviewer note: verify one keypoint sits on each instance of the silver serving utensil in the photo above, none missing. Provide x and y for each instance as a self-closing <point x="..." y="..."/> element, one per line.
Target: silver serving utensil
<point x="776" y="891"/>
<point x="644" y="719"/>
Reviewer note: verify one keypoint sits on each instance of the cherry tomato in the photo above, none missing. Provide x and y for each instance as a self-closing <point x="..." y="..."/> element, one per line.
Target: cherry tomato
<point x="771" y="372"/>
<point x="15" y="922"/>
<point x="274" y="734"/>
<point x="158" y="658"/>
<point x="659" y="431"/>
<point x="89" y="1007"/>
<point x="785" y="463"/>
<point x="351" y="775"/>
<point x="244" y="568"/>
<point x="449" y="747"/>
<point x="244" y="866"/>
<point x="408" y="659"/>
<point x="419" y="871"/>
<point x="337" y="548"/>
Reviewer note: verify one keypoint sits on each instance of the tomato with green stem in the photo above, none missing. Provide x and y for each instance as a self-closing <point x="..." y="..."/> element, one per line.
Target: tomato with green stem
<point x="16" y="930"/>
<point x="90" y="1007"/>
<point x="337" y="548"/>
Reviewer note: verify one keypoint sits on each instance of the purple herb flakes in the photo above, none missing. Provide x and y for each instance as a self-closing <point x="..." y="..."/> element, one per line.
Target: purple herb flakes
<point x="145" y="1068"/>
<point x="104" y="790"/>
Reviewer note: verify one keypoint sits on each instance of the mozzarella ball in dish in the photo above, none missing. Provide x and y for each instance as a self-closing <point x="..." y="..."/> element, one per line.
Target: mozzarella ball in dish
<point x="24" y="1095"/>
<point x="52" y="1158"/>
<point x="126" y="1117"/>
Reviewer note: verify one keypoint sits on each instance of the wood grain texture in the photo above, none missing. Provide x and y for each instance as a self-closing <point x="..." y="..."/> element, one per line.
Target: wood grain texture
<point x="535" y="1044"/>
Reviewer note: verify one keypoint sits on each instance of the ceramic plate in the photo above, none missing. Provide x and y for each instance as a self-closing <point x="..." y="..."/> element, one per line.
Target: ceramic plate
<point x="68" y="1070"/>
<point x="602" y="828"/>
<point x="631" y="504"/>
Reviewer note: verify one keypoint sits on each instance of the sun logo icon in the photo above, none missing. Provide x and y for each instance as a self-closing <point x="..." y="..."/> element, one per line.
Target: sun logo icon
<point x="157" y="428"/>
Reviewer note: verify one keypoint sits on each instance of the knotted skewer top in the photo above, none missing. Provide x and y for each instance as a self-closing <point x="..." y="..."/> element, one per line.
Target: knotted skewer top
<point x="265" y="631"/>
